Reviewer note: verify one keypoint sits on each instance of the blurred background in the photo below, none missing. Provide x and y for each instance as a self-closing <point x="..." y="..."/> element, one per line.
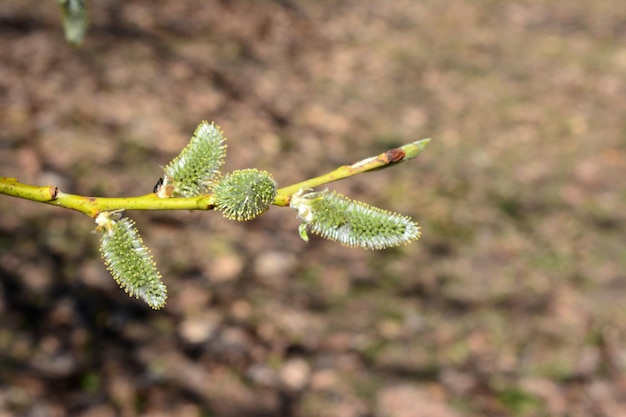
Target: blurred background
<point x="511" y="304"/>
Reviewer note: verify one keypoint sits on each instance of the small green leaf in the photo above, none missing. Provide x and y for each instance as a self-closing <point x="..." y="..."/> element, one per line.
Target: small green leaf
<point x="129" y="260"/>
<point x="75" y="20"/>
<point x="193" y="171"/>
<point x="351" y="223"/>
<point x="244" y="194"/>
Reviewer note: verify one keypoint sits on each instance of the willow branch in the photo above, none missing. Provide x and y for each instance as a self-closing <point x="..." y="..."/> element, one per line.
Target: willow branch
<point x="92" y="206"/>
<point x="386" y="159"/>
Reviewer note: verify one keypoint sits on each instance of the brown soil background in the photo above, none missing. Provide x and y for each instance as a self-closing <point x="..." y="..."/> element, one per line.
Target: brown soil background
<point x="511" y="304"/>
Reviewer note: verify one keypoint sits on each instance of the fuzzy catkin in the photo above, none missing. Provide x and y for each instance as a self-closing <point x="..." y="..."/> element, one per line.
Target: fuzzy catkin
<point x="193" y="171"/>
<point x="244" y="194"/>
<point x="353" y="223"/>
<point x="131" y="264"/>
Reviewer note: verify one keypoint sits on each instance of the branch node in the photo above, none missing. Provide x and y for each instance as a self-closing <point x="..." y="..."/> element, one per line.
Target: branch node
<point x="54" y="192"/>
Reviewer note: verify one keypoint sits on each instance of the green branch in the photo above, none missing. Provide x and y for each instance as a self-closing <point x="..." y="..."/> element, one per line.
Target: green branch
<point x="92" y="206"/>
<point x="386" y="159"/>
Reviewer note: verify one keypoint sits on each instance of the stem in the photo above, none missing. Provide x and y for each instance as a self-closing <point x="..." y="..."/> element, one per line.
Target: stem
<point x="384" y="160"/>
<point x="12" y="187"/>
<point x="92" y="206"/>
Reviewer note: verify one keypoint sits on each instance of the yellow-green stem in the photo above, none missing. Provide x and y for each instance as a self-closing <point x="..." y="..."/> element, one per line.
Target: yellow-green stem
<point x="92" y="206"/>
<point x="384" y="160"/>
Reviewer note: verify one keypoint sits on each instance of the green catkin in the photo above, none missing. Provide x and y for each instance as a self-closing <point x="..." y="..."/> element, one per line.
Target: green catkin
<point x="244" y="194"/>
<point x="193" y="171"/>
<point x="130" y="261"/>
<point x="75" y="20"/>
<point x="352" y="223"/>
